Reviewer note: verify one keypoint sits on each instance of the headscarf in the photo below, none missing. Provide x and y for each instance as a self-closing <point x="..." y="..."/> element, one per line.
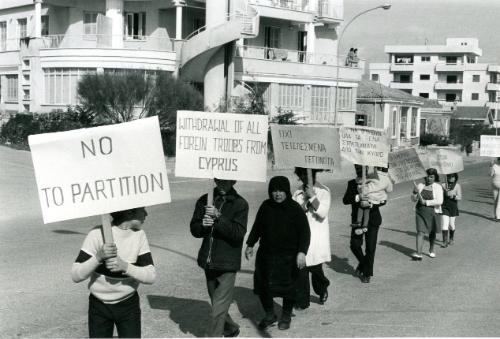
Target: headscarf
<point x="280" y="183"/>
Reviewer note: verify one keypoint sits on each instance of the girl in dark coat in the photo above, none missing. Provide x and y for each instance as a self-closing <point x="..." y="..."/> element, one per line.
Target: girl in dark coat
<point x="282" y="229"/>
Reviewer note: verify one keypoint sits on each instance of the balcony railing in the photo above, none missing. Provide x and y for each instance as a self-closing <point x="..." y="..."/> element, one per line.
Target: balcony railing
<point x="280" y="54"/>
<point x="326" y="10"/>
<point x="134" y="42"/>
<point x="296" y="5"/>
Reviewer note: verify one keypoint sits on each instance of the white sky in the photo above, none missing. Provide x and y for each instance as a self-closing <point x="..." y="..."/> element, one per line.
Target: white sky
<point x="410" y="22"/>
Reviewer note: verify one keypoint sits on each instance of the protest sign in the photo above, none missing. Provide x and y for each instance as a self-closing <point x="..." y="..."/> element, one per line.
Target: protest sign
<point x="364" y="146"/>
<point x="305" y="146"/>
<point x="405" y="165"/>
<point x="490" y="146"/>
<point x="221" y="145"/>
<point x="444" y="160"/>
<point x="99" y="170"/>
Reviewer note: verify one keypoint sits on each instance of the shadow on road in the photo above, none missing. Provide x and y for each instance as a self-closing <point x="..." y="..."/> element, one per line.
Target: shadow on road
<point x="192" y="316"/>
<point x="413" y="234"/>
<point x="482" y="202"/>
<point x="477" y="215"/>
<point x="340" y="265"/>
<point x="66" y="232"/>
<point x="400" y="248"/>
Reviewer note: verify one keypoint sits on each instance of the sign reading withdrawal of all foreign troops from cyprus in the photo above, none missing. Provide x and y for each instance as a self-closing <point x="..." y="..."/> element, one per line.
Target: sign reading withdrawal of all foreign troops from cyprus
<point x="221" y="145"/>
<point x="99" y="170"/>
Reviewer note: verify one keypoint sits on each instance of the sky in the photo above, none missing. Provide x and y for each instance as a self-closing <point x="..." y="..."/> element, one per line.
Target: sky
<point x="412" y="22"/>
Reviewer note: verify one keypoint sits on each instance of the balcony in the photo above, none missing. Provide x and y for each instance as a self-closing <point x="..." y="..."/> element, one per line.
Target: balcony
<point x="401" y="85"/>
<point x="256" y="63"/>
<point x="450" y="67"/>
<point x="402" y="67"/>
<point x="327" y="13"/>
<point x="454" y="86"/>
<point x="292" y="10"/>
<point x="136" y="42"/>
<point x="492" y="86"/>
<point x="493" y="105"/>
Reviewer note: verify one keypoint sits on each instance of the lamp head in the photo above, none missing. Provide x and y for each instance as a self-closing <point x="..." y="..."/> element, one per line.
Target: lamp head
<point x="386" y="6"/>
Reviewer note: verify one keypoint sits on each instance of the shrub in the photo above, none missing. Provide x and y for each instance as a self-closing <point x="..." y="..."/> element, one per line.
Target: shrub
<point x="17" y="130"/>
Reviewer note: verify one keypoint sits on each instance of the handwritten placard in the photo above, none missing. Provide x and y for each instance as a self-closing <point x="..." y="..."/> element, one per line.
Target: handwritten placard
<point x="305" y="146"/>
<point x="405" y="165"/>
<point x="490" y="146"/>
<point x="364" y="146"/>
<point x="221" y="145"/>
<point x="445" y="160"/>
<point x="99" y="170"/>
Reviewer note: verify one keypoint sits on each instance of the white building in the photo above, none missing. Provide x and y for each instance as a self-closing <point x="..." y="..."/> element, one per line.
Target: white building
<point x="449" y="73"/>
<point x="288" y="46"/>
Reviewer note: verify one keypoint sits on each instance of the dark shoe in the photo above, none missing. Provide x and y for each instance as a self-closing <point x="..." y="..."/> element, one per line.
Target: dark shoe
<point x="267" y="322"/>
<point x="365" y="279"/>
<point x="284" y="323"/>
<point x="323" y="298"/>
<point x="232" y="334"/>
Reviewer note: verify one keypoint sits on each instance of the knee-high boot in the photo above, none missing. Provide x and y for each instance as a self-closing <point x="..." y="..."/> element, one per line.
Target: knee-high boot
<point x="452" y="234"/>
<point x="445" y="239"/>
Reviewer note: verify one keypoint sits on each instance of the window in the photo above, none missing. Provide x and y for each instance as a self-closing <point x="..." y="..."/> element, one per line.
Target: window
<point x="451" y="79"/>
<point x="425" y="58"/>
<point x="22" y="29"/>
<point x="403" y="59"/>
<point x="451" y="97"/>
<point x="361" y="120"/>
<point x="198" y="23"/>
<point x="272" y="39"/>
<point x="45" y="25"/>
<point x="423" y="126"/>
<point x="403" y="123"/>
<point x="425" y="76"/>
<point x="475" y="96"/>
<point x="320" y="99"/>
<point x="394" y="122"/>
<point x="413" y="122"/>
<point x="476" y="78"/>
<point x="12" y="87"/>
<point x="345" y="100"/>
<point x="61" y="84"/>
<point x="90" y="23"/>
<point x="451" y="60"/>
<point x="3" y="35"/>
<point x="423" y="95"/>
<point x="291" y="96"/>
<point x="405" y="78"/>
<point x="375" y="77"/>
<point x="135" y="25"/>
<point x="471" y="59"/>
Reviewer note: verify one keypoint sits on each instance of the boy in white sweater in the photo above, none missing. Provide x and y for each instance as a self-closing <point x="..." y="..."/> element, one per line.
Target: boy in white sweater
<point x="115" y="271"/>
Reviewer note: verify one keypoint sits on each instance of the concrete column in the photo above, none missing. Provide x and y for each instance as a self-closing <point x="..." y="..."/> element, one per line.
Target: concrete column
<point x="178" y="21"/>
<point x="114" y="11"/>
<point x="311" y="39"/>
<point x="38" y="19"/>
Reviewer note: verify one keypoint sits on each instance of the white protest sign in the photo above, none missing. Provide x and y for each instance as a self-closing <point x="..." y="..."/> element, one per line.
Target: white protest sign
<point x="405" y="165"/>
<point x="490" y="146"/>
<point x="221" y="145"/>
<point x="364" y="146"/>
<point x="445" y="160"/>
<point x="99" y="170"/>
<point x="305" y="146"/>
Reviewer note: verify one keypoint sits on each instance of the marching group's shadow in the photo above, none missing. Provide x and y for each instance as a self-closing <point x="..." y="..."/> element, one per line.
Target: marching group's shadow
<point x="193" y="316"/>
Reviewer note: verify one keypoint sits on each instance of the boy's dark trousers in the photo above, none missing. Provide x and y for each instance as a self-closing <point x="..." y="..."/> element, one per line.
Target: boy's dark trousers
<point x="126" y="315"/>
<point x="366" y="259"/>
<point x="220" y="285"/>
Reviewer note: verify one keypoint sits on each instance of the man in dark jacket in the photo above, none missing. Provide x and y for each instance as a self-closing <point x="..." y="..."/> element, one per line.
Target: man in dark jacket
<point x="364" y="270"/>
<point x="222" y="227"/>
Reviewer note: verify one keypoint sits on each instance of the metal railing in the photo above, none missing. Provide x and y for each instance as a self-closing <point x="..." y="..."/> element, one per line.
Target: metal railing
<point x="134" y="42"/>
<point x="296" y="5"/>
<point x="326" y="10"/>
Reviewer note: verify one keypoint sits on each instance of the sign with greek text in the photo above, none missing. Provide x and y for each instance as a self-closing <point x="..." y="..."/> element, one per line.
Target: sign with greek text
<point x="99" y="170"/>
<point x="364" y="146"/>
<point x="405" y="165"/>
<point x="490" y="146"/>
<point x="305" y="146"/>
<point x="221" y="145"/>
<point x="444" y="160"/>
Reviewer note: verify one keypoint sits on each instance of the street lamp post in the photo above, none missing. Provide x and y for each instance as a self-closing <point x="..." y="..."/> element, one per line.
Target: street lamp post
<point x="385" y="7"/>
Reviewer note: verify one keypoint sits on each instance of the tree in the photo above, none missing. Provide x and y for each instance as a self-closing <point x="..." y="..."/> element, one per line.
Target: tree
<point x="116" y="97"/>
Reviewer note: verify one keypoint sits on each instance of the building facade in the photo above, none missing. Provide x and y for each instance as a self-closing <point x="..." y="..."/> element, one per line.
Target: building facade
<point x="449" y="73"/>
<point x="226" y="46"/>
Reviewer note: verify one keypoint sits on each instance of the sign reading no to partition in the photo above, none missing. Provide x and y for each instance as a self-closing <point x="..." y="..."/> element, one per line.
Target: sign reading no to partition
<point x="305" y="146"/>
<point x="490" y="146"/>
<point x="99" y="170"/>
<point x="405" y="165"/>
<point x="221" y="145"/>
<point x="364" y="146"/>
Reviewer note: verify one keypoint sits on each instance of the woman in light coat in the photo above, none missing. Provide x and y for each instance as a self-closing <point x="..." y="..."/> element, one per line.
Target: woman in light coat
<point x="315" y="201"/>
<point x="495" y="183"/>
<point x="429" y="198"/>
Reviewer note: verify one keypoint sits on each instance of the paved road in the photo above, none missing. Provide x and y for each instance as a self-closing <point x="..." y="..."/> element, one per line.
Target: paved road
<point x="455" y="294"/>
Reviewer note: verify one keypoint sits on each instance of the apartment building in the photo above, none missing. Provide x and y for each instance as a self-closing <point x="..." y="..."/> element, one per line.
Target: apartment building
<point x="449" y="73"/>
<point x="226" y="46"/>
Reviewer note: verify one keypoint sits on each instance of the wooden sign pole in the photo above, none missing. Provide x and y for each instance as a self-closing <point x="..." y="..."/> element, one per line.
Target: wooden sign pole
<point x="210" y="194"/>
<point x="106" y="229"/>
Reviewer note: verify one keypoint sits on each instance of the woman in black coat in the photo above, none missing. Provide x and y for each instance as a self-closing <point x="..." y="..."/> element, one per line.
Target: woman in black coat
<point x="282" y="229"/>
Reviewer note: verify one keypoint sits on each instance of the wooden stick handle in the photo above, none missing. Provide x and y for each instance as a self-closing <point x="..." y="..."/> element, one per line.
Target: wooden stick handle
<point x="210" y="195"/>
<point x="106" y="229"/>
<point x="309" y="177"/>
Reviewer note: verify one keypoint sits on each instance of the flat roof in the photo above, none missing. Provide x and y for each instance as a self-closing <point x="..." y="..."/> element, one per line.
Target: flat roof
<point x="433" y="49"/>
